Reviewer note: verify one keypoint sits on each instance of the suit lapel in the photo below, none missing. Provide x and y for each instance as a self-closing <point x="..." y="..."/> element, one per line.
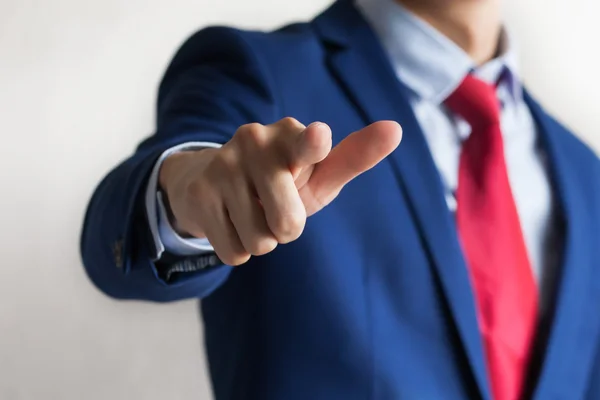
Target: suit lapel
<point x="358" y="61"/>
<point x="574" y="328"/>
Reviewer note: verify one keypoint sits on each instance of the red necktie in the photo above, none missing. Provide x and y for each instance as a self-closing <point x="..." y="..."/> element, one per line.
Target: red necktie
<point x="492" y="240"/>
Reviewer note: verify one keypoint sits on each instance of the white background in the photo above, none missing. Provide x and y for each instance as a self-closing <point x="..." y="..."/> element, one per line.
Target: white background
<point x="77" y="85"/>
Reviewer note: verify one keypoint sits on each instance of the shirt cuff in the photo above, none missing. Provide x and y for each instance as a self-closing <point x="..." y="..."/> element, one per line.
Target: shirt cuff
<point x="164" y="236"/>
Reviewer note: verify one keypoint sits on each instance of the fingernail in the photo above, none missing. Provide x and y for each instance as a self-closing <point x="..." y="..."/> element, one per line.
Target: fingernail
<point x="314" y="124"/>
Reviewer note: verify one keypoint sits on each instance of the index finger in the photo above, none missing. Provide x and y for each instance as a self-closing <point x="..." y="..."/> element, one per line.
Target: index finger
<point x="357" y="153"/>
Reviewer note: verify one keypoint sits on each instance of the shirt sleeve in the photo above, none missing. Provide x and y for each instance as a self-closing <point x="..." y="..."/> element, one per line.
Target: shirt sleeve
<point x="164" y="236"/>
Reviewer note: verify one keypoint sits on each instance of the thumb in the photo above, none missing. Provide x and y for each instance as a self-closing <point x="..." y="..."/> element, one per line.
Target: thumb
<point x="357" y="153"/>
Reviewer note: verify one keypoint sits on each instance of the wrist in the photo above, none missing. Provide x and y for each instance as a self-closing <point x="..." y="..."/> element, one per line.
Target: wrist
<point x="170" y="168"/>
<point x="173" y="174"/>
<point x="175" y="165"/>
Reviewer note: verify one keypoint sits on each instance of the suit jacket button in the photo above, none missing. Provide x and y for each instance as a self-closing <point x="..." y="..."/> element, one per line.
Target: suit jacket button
<point x="118" y="253"/>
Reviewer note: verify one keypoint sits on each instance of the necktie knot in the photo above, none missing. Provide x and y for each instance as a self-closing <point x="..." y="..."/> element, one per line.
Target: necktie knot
<point x="476" y="102"/>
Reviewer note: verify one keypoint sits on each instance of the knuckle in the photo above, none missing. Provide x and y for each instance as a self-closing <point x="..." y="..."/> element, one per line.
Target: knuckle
<point x="290" y="123"/>
<point x="253" y="133"/>
<point x="289" y="227"/>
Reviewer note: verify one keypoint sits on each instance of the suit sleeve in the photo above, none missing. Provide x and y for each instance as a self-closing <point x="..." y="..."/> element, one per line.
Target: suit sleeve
<point x="214" y="84"/>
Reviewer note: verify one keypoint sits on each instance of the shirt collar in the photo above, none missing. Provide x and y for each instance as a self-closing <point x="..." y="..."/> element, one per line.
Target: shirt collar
<point x="429" y="63"/>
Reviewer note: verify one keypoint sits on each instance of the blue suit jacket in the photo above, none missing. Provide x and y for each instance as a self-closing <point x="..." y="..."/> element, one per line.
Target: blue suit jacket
<point x="373" y="300"/>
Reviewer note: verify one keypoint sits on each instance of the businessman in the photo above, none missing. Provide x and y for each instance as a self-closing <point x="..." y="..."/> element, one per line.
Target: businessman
<point x="334" y="262"/>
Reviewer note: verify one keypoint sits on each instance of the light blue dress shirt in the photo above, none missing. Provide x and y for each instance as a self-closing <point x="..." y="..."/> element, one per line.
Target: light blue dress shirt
<point x="432" y="66"/>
